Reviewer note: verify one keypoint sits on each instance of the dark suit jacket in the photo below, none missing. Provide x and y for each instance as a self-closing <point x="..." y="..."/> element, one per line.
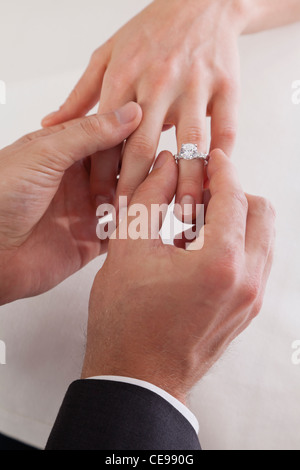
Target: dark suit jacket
<point x="107" y="415"/>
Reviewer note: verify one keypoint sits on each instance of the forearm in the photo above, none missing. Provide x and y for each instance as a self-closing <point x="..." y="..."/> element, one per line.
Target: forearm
<point x="245" y="16"/>
<point x="260" y="15"/>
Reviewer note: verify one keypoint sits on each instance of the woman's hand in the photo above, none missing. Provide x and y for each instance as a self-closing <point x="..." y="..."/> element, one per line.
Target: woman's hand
<point x="47" y="215"/>
<point x="179" y="60"/>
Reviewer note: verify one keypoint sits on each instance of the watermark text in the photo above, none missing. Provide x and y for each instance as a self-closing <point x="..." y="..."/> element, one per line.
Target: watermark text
<point x="2" y="353"/>
<point x="151" y="222"/>
<point x="2" y="92"/>
<point x="296" y="354"/>
<point x="296" y="92"/>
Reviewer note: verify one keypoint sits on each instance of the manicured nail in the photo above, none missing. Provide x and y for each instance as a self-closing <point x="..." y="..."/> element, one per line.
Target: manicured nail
<point x="160" y="161"/>
<point x="187" y="204"/>
<point x="48" y="118"/>
<point x="103" y="200"/>
<point x="127" y="113"/>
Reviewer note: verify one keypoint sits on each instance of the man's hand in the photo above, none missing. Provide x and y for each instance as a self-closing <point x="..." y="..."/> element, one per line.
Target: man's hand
<point x="164" y="314"/>
<point x="47" y="212"/>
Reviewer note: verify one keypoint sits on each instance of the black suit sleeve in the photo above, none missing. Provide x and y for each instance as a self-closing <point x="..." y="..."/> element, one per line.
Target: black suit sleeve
<point x="108" y="415"/>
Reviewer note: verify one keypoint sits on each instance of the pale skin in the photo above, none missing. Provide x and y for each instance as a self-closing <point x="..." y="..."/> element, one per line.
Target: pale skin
<point x="179" y="60"/>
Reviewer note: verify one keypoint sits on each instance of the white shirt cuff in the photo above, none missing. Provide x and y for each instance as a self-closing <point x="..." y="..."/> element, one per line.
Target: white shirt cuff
<point x="172" y="400"/>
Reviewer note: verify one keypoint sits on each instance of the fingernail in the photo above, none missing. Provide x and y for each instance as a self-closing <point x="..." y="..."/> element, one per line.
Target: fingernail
<point x="187" y="204"/>
<point x="103" y="200"/>
<point x="160" y="161"/>
<point x="127" y="113"/>
<point x="49" y="117"/>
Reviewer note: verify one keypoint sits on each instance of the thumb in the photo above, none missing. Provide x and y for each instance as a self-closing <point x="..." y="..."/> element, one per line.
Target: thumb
<point x="88" y="136"/>
<point x="149" y="203"/>
<point x="160" y="185"/>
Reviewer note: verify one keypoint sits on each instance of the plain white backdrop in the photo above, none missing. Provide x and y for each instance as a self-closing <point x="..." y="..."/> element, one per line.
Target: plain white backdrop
<point x="250" y="399"/>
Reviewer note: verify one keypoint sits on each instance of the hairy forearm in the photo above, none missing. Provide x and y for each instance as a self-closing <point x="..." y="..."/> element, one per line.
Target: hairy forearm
<point x="260" y="15"/>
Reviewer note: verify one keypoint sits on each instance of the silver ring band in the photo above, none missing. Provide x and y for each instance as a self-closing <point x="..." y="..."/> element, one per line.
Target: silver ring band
<point x="190" y="152"/>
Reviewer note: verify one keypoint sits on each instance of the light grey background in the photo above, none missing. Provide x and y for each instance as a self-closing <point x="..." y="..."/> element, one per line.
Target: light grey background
<point x="250" y="399"/>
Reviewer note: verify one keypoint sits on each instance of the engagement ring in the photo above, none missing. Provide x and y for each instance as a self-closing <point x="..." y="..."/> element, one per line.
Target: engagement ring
<point x="190" y="152"/>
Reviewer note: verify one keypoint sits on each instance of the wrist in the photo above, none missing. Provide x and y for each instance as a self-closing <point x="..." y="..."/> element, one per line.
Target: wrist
<point x="151" y="368"/>
<point x="262" y="15"/>
<point x="236" y="12"/>
<point x="245" y="11"/>
<point x="144" y="376"/>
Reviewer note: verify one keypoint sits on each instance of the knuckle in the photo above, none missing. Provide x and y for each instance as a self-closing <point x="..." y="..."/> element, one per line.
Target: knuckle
<point x="168" y="68"/>
<point x="227" y="277"/>
<point x="196" y="70"/>
<point x="170" y="72"/>
<point x="122" y="76"/>
<point x="96" y="55"/>
<point x="42" y="146"/>
<point x="256" y="309"/>
<point x="117" y="81"/>
<point x="229" y="274"/>
<point x="126" y="190"/>
<point x="251" y="290"/>
<point x="100" y="53"/>
<point x="228" y="85"/>
<point x="195" y="134"/>
<point x="91" y="126"/>
<point x="159" y="75"/>
<point x="241" y="199"/>
<point x="159" y="82"/>
<point x="144" y="192"/>
<point x="265" y="207"/>
<point x="28" y="138"/>
<point x="38" y="135"/>
<point x="50" y="157"/>
<point x="141" y="146"/>
<point x="189" y="181"/>
<point x="228" y="133"/>
<point x="226" y="271"/>
<point x="229" y="263"/>
<point x="172" y="64"/>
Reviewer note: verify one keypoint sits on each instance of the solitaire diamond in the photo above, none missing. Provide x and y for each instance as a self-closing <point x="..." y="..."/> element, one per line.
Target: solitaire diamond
<point x="189" y="151"/>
